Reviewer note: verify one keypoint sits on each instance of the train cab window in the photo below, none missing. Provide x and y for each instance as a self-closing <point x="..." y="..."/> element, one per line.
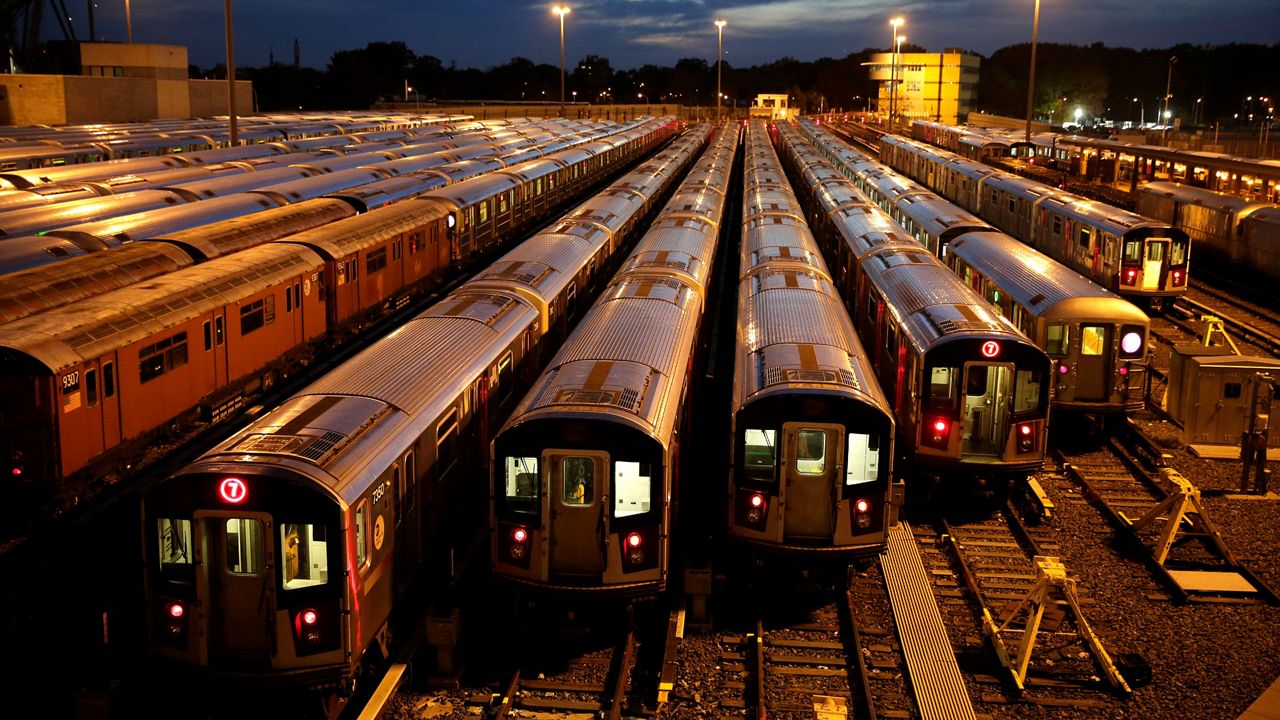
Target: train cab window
<point x="1178" y="252"/>
<point x="942" y="386"/>
<point x="759" y="457"/>
<point x="173" y="551"/>
<point x="446" y="442"/>
<point x="863" y="464"/>
<point x="208" y="336"/>
<point x="811" y="452"/>
<point x="410" y="478"/>
<point x="1093" y="340"/>
<point x="520" y="484"/>
<point x="632" y="488"/>
<point x="1133" y="250"/>
<point x="244" y="546"/>
<point x="306" y="555"/>
<point x="91" y="387"/>
<point x="1057" y="225"/>
<point x="1058" y="339"/>
<point x="161" y="357"/>
<point x="375" y="261"/>
<point x="362" y="533"/>
<point x="578" y="481"/>
<point x="1026" y="390"/>
<point x="108" y="380"/>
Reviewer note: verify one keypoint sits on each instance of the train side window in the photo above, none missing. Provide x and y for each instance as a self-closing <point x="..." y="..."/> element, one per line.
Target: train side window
<point x="306" y="555"/>
<point x="91" y="387"/>
<point x="1231" y="391"/>
<point x="297" y="295"/>
<point x="520" y="484"/>
<point x="811" y="452"/>
<point x="375" y="261"/>
<point x="484" y="211"/>
<point x="161" y="357"/>
<point x="570" y="302"/>
<point x="1177" y="252"/>
<point x="410" y="478"/>
<point x="1026" y="391"/>
<point x="219" y="331"/>
<point x="759" y="456"/>
<point x="244" y="546"/>
<point x="446" y="442"/>
<point x="1086" y="236"/>
<point x="504" y="376"/>
<point x="1057" y="225"/>
<point x="288" y="300"/>
<point x="632" y="488"/>
<point x="108" y="380"/>
<point x="863" y="464"/>
<point x="173" y="550"/>
<point x="208" y="336"/>
<point x="1093" y="340"/>
<point x="942" y="385"/>
<point x="578" y="481"/>
<point x="253" y="316"/>
<point x="1058" y="339"/>
<point x="362" y="534"/>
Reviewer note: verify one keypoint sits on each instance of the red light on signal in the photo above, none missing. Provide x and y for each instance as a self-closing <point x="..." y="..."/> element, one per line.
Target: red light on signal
<point x="309" y="617"/>
<point x="1063" y="369"/>
<point x="990" y="349"/>
<point x="176" y="610"/>
<point x="233" y="490"/>
<point x="862" y="505"/>
<point x="519" y="535"/>
<point x="1124" y="371"/>
<point x="633" y="540"/>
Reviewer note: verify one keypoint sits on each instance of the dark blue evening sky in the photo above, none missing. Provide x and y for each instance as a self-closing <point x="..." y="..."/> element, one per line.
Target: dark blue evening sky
<point x="482" y="33"/>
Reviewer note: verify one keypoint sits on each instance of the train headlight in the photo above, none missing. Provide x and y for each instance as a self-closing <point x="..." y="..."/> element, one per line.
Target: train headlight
<point x="1132" y="341"/>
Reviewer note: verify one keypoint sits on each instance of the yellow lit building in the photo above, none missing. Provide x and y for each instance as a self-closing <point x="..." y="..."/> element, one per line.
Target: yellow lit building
<point x="931" y="86"/>
<point x="768" y="106"/>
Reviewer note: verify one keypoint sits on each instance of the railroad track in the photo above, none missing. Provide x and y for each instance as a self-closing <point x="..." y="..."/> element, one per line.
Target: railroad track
<point x="1261" y="328"/>
<point x="1009" y="569"/>
<point x="1159" y="512"/>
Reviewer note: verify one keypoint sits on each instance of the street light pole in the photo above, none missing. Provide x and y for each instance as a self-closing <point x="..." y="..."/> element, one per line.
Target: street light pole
<point x="720" y="23"/>
<point x="561" y="10"/>
<point x="128" y="20"/>
<point x="895" y="23"/>
<point x="1168" y="83"/>
<point x="231" y="78"/>
<point x="1142" y="119"/>
<point x="1031" y="82"/>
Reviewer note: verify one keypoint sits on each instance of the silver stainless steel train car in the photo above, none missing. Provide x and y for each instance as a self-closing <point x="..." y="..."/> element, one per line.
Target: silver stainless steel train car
<point x="585" y="472"/>
<point x="278" y="556"/>
<point x="1096" y="340"/>
<point x="969" y="392"/>
<point x="812" y="439"/>
<point x="1228" y="228"/>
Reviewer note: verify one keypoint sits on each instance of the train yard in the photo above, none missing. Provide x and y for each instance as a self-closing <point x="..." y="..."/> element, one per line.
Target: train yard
<point x="1126" y="575"/>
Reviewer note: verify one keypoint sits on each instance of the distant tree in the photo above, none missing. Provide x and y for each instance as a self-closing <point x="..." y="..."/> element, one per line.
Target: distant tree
<point x="360" y="77"/>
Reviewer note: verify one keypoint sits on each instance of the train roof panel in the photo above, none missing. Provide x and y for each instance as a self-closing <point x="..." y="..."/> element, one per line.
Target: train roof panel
<point x="238" y="152"/>
<point x="79" y="274"/>
<point x="50" y="217"/>
<point x="237" y="233"/>
<point x="344" y="237"/>
<point x="154" y="223"/>
<point x="1033" y="280"/>
<point x="1201" y="196"/>
<point x="231" y="184"/>
<point x="318" y="185"/>
<point x="71" y="334"/>
<point x="33" y="251"/>
<point x="88" y="171"/>
<point x="936" y="215"/>
<point x="389" y="190"/>
<point x="532" y="169"/>
<point x="469" y="169"/>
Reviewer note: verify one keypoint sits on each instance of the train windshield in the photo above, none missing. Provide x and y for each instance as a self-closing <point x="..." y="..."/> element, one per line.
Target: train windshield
<point x="520" y="481"/>
<point x="632" y="488"/>
<point x="578" y="481"/>
<point x="1026" y="391"/>
<point x="305" y="551"/>
<point x="761" y="455"/>
<point x="863" y="464"/>
<point x="1178" y="252"/>
<point x="176" y="563"/>
<point x="1133" y="250"/>
<point x="1058" y="339"/>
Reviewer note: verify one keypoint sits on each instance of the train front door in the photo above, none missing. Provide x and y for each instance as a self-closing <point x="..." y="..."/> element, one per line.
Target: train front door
<point x="812" y="455"/>
<point x="1153" y="263"/>
<point x="576" y="495"/>
<point x="987" y="391"/>
<point x="1092" y="371"/>
<point x="239" y="572"/>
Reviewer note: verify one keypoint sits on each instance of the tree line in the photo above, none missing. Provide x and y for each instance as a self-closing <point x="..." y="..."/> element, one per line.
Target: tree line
<point x="1102" y="81"/>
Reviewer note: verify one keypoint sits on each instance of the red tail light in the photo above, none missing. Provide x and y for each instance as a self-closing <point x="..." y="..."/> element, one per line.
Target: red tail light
<point x="307" y="625"/>
<point x="1130" y="277"/>
<point x="756" y="511"/>
<point x="519" y="535"/>
<point x="171" y="626"/>
<point x="1124" y="370"/>
<point x="176" y="610"/>
<point x="632" y="548"/>
<point x="937" y="432"/>
<point x="309" y="617"/>
<point x="1179" y="278"/>
<point x="1063" y="369"/>
<point x="862" y="505"/>
<point x="519" y="546"/>
<point x="1026" y="437"/>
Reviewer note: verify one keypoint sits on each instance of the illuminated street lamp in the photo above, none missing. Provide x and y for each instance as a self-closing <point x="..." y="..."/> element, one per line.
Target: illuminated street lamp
<point x="720" y="23"/>
<point x="1143" y="117"/>
<point x="895" y="23"/>
<point x="1031" y="83"/>
<point x="1079" y="114"/>
<point x="561" y="10"/>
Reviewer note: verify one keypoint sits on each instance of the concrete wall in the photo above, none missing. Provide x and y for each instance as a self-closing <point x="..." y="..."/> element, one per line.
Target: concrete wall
<point x="32" y="100"/>
<point x="209" y="98"/>
<point x="101" y="99"/>
<point x="163" y="62"/>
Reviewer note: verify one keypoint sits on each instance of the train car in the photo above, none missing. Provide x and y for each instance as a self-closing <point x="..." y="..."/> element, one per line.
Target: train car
<point x="16" y="199"/>
<point x="31" y="158"/>
<point x="161" y="221"/>
<point x="33" y="251"/>
<point x="969" y="391"/>
<point x="51" y="217"/>
<point x="87" y="172"/>
<point x="360" y="479"/>
<point x="812" y="438"/>
<point x="1133" y="256"/>
<point x="1215" y="222"/>
<point x="1096" y="340"/>
<point x="585" y="471"/>
<point x="341" y="280"/>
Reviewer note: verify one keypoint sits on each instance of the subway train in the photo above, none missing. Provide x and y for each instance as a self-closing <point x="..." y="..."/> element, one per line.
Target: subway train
<point x="277" y="557"/>
<point x="1244" y="234"/>
<point x="150" y="235"/>
<point x="585" y="471"/>
<point x="88" y="385"/>
<point x="969" y="392"/>
<point x="1097" y="339"/>
<point x="1141" y="259"/>
<point x="812" y="434"/>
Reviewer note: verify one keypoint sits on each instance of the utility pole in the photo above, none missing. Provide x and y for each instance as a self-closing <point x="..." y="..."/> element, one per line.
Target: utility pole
<point x="1168" y="83"/>
<point x="231" y="78"/>
<point x="128" y="20"/>
<point x="719" y="61"/>
<point x="1031" y="83"/>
